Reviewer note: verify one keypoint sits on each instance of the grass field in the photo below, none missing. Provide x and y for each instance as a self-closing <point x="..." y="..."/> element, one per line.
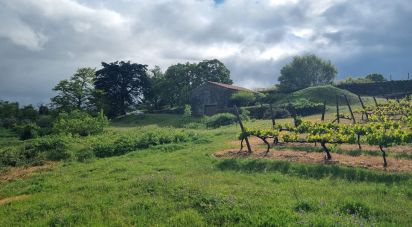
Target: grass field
<point x="186" y="185"/>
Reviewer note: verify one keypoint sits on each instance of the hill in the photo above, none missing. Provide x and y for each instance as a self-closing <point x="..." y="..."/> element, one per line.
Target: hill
<point x="326" y="93"/>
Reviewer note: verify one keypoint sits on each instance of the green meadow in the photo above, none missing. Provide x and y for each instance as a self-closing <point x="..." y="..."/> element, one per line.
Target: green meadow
<point x="182" y="183"/>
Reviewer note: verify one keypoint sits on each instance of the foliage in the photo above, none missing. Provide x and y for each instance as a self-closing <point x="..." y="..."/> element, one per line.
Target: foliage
<point x="320" y="94"/>
<point x="242" y="98"/>
<point x="305" y="71"/>
<point x="220" y="119"/>
<point x="28" y="131"/>
<point x="263" y="112"/>
<point x="370" y="78"/>
<point x="303" y="107"/>
<point x="76" y="92"/>
<point x="80" y="123"/>
<point x="134" y="141"/>
<point x="180" y="79"/>
<point x="124" y="84"/>
<point x="187" y="113"/>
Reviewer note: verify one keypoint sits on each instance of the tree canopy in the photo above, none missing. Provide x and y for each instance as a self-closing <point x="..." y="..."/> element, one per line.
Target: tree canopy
<point x="305" y="71"/>
<point x="76" y="92"/>
<point x="124" y="84"/>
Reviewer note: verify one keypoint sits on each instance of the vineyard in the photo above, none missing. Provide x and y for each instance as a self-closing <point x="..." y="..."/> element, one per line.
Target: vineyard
<point x="384" y="125"/>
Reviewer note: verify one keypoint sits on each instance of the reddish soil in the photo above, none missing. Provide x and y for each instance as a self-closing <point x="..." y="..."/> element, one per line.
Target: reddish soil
<point x="363" y="161"/>
<point x="21" y="172"/>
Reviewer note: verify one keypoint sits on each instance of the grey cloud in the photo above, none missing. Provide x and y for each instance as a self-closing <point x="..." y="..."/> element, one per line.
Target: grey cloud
<point x="44" y="41"/>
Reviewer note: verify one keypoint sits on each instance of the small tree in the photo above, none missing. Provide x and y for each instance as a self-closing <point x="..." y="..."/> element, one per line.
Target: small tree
<point x="76" y="92"/>
<point x="305" y="71"/>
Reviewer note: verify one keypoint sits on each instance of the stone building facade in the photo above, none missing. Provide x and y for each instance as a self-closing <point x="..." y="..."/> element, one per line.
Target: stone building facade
<point x="213" y="97"/>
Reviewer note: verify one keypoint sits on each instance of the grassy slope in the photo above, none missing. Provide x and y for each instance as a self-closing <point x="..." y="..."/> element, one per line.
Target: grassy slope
<point x="328" y="92"/>
<point x="190" y="187"/>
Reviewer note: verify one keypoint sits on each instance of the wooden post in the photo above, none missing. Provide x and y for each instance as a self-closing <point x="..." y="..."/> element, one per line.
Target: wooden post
<point x="376" y="102"/>
<point x="350" y="110"/>
<point x="242" y="128"/>
<point x="323" y="112"/>
<point x="364" y="108"/>
<point x="272" y="115"/>
<point x="337" y="109"/>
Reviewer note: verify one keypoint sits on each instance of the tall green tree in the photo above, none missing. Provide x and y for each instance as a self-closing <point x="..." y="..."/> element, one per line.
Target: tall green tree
<point x="124" y="84"/>
<point x="156" y="97"/>
<point x="211" y="70"/>
<point x="76" y="92"/>
<point x="179" y="81"/>
<point x="305" y="71"/>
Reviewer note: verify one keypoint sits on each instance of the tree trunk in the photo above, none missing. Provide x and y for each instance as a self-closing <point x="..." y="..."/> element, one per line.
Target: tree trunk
<point x="359" y="145"/>
<point x="328" y="156"/>
<point x="385" y="164"/>
<point x="267" y="144"/>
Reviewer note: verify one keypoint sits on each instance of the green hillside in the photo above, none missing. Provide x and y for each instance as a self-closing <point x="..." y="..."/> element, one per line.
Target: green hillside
<point x="326" y="93"/>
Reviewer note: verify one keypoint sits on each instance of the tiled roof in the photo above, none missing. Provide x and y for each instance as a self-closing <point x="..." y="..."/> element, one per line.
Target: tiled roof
<point x="232" y="87"/>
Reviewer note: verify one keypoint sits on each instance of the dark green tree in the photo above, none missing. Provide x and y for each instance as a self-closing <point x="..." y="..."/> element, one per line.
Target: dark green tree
<point x="305" y="71"/>
<point x="124" y="84"/>
<point x="156" y="97"/>
<point x="211" y="70"/>
<point x="76" y="92"/>
<point x="375" y="77"/>
<point x="179" y="83"/>
<point x="181" y="79"/>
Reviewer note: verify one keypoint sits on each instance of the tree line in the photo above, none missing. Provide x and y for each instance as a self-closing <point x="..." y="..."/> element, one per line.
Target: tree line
<point x="119" y="86"/>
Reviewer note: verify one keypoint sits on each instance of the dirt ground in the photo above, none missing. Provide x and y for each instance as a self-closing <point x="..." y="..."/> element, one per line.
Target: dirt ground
<point x="21" y="172"/>
<point x="363" y="161"/>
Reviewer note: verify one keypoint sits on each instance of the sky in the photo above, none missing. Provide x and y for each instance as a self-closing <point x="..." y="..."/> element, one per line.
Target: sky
<point x="45" y="41"/>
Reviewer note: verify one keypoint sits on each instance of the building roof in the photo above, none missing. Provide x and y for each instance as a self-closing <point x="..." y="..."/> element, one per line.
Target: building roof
<point x="231" y="87"/>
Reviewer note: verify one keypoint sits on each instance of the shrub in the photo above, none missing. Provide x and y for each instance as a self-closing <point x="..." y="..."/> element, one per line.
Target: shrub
<point x="9" y="122"/>
<point x="352" y="207"/>
<point x="242" y="98"/>
<point x="53" y="147"/>
<point x="220" y="119"/>
<point x="80" y="123"/>
<point x="134" y="141"/>
<point x="187" y="113"/>
<point x="263" y="112"/>
<point x="304" y="107"/>
<point x="28" y="131"/>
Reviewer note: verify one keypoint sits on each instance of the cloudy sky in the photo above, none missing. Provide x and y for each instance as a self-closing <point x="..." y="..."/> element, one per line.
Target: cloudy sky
<point x="44" y="41"/>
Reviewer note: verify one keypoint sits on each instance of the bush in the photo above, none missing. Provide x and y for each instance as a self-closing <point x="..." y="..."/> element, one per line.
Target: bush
<point x="242" y="98"/>
<point x="135" y="141"/>
<point x="28" y="131"/>
<point x="80" y="123"/>
<point x="263" y="112"/>
<point x="9" y="122"/>
<point x="304" y="107"/>
<point x="220" y="119"/>
<point x="53" y="147"/>
<point x="352" y="207"/>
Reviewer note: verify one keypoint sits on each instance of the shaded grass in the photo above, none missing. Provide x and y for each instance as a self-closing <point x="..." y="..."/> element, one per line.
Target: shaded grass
<point x="315" y="171"/>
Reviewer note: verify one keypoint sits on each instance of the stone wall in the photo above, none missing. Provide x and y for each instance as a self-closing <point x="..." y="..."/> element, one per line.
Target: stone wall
<point x="210" y="99"/>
